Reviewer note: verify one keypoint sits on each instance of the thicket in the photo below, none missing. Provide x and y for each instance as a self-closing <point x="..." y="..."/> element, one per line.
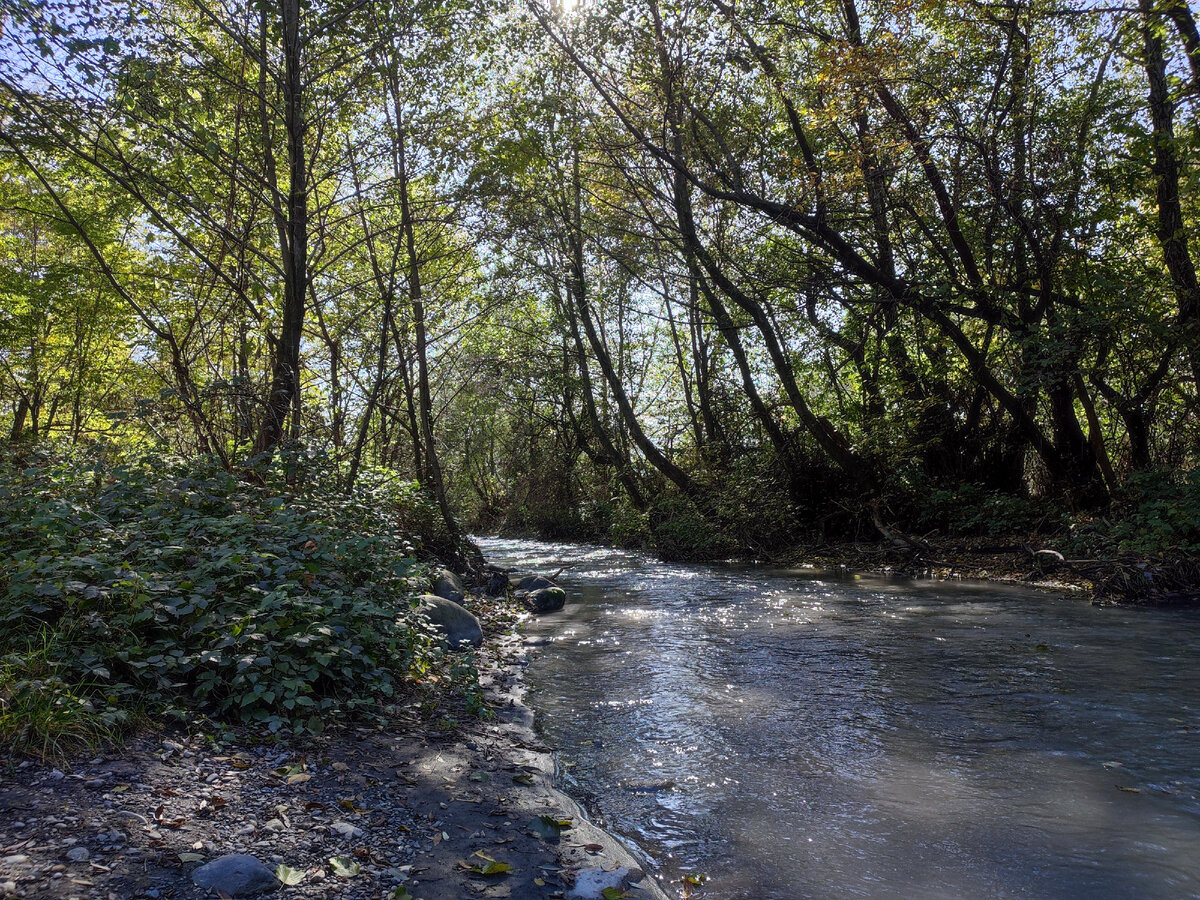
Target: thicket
<point x="167" y="587"/>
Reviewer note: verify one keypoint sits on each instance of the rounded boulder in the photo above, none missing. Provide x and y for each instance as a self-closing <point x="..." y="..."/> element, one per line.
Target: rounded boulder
<point x="531" y="583"/>
<point x="547" y="599"/>
<point x="449" y="586"/>
<point x="454" y="622"/>
<point x="236" y="875"/>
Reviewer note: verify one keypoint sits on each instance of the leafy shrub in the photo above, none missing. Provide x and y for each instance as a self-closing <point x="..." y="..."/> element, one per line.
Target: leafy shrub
<point x="628" y="526"/>
<point x="1157" y="511"/>
<point x="680" y="532"/>
<point x="175" y="584"/>
<point x="971" y="509"/>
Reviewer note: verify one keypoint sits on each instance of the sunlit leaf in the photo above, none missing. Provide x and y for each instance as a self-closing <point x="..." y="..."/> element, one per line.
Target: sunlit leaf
<point x="287" y="875"/>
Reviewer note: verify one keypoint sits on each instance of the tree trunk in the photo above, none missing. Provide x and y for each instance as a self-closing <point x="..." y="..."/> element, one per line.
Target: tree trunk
<point x="284" y="391"/>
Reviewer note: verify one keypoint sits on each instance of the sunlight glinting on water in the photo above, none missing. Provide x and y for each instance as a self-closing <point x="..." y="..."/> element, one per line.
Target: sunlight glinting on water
<point x="794" y="736"/>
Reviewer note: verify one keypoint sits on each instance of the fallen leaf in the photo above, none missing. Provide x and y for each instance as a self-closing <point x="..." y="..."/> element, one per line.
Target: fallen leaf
<point x="344" y="866"/>
<point x="161" y="820"/>
<point x="287" y="875"/>
<point x="549" y="827"/>
<point x="490" y="868"/>
<point x="190" y="857"/>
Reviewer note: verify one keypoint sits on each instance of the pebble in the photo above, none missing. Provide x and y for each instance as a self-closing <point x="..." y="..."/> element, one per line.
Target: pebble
<point x="78" y="854"/>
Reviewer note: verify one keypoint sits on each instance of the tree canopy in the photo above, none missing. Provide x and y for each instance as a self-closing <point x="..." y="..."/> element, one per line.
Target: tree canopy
<point x="708" y="274"/>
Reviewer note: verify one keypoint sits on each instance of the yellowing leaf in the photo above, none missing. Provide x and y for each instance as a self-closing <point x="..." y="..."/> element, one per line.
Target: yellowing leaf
<point x="287" y="875"/>
<point x="489" y="868"/>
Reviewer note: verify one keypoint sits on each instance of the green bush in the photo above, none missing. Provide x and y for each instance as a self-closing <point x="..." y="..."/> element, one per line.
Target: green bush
<point x="971" y="509"/>
<point x="680" y="532"/>
<point x="178" y="586"/>
<point x="1157" y="511"/>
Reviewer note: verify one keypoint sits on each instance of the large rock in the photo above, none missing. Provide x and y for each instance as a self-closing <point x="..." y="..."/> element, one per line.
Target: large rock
<point x="547" y="599"/>
<point x="236" y="875"/>
<point x="454" y="622"/>
<point x="534" y="583"/>
<point x="449" y="586"/>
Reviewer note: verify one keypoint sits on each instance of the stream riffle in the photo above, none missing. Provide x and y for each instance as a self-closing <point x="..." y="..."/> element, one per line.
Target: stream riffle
<point x="797" y="736"/>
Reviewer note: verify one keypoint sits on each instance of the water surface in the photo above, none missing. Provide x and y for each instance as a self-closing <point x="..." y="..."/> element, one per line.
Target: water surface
<point x="793" y="736"/>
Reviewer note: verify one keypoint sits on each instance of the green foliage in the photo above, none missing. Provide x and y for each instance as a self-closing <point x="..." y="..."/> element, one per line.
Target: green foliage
<point x="1158" y="512"/>
<point x="680" y="531"/>
<point x="176" y="584"/>
<point x="629" y="526"/>
<point x="970" y="509"/>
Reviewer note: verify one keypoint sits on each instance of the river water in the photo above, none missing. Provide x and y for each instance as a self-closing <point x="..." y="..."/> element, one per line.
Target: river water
<point x="796" y="736"/>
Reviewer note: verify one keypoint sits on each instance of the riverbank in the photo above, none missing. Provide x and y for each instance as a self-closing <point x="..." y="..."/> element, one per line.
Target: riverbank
<point x="436" y="805"/>
<point x="1125" y="578"/>
<point x="1134" y="579"/>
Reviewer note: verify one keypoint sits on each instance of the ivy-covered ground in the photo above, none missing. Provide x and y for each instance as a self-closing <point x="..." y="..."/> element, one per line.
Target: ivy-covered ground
<point x="156" y="589"/>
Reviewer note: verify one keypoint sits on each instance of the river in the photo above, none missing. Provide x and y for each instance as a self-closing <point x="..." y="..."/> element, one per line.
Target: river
<point x="794" y="736"/>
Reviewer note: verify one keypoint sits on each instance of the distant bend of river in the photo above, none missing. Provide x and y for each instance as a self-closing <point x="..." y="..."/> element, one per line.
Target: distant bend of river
<point x="794" y="737"/>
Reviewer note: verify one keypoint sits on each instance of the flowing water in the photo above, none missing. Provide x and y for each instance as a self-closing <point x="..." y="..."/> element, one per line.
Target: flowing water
<point x="797" y="736"/>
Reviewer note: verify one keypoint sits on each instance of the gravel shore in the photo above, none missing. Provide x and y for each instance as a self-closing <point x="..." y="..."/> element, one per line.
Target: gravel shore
<point x="427" y="809"/>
